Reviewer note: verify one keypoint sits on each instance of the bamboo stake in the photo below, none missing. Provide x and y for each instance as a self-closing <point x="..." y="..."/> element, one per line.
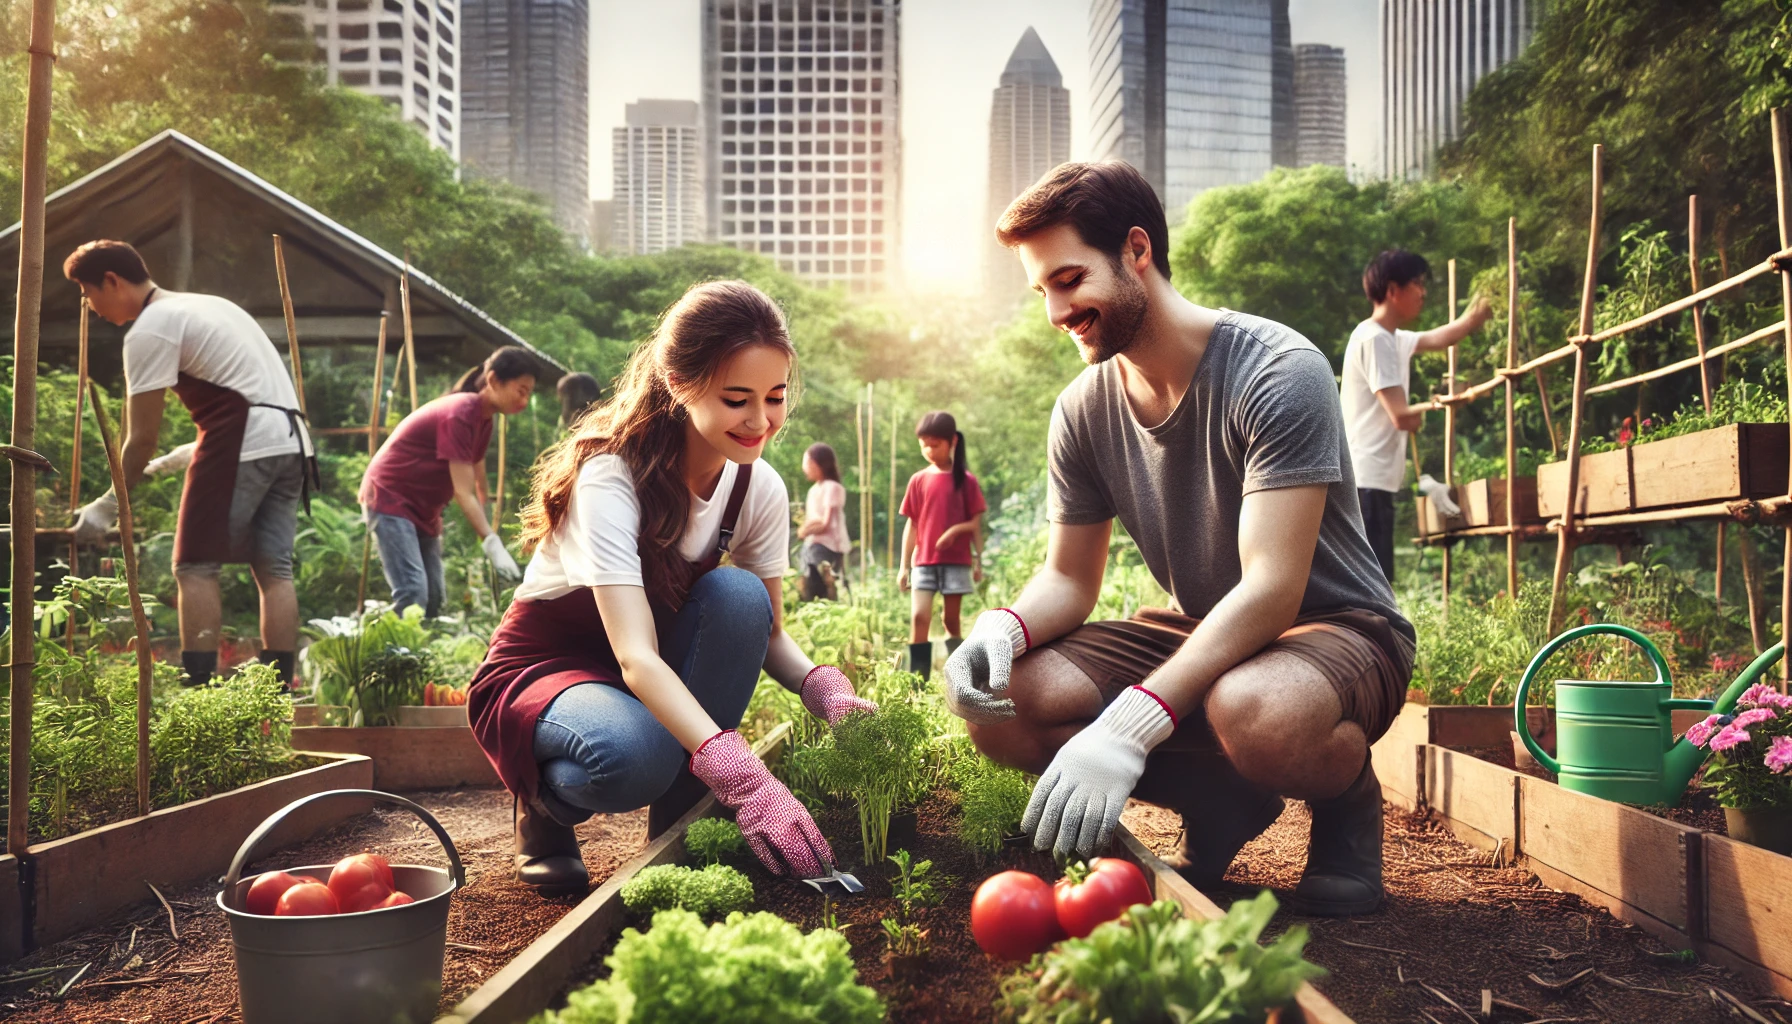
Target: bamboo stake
<point x="1783" y="193"/>
<point x="27" y="317"/>
<point x="890" y="531"/>
<point x="1449" y="430"/>
<point x="74" y="459"/>
<point x="292" y="325"/>
<point x="1511" y="409"/>
<point x="1549" y="420"/>
<point x="498" y="498"/>
<point x="373" y="447"/>
<point x="1565" y="538"/>
<point x="858" y="426"/>
<point x="128" y="539"/>
<point x="1698" y="334"/>
<point x="1752" y="584"/>
<point x="870" y="471"/>
<point x="410" y="345"/>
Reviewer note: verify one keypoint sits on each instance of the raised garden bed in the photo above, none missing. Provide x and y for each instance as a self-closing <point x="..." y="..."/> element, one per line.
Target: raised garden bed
<point x="406" y="757"/>
<point x="1483" y="503"/>
<point x="1741" y="460"/>
<point x="1605" y="485"/>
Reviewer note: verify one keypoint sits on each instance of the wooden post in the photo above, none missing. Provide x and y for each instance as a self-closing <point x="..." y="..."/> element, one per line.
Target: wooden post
<point x="74" y="459"/>
<point x="1698" y="334"/>
<point x="498" y="496"/>
<point x="1783" y="192"/>
<point x="127" y="538"/>
<point x="890" y="533"/>
<point x="1511" y="408"/>
<point x="858" y="426"/>
<point x="1449" y="429"/>
<point x="1565" y="538"/>
<point x="27" y="317"/>
<point x="292" y="325"/>
<point x="1549" y="420"/>
<point x="410" y="345"/>
<point x="374" y="421"/>
<point x="870" y="471"/>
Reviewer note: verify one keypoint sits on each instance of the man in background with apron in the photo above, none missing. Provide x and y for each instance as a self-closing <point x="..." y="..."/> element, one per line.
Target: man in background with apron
<point x="250" y="467"/>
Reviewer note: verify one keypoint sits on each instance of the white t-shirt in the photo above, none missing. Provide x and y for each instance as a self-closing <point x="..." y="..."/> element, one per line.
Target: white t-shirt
<point x="217" y="341"/>
<point x="597" y="544"/>
<point x="1375" y="359"/>
<point x="828" y="494"/>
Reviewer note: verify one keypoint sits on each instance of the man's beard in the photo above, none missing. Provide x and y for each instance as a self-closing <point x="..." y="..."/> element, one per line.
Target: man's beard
<point x="1120" y="319"/>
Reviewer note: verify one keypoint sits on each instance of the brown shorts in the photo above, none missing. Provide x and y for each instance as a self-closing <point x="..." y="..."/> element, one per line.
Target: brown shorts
<point x="1367" y="662"/>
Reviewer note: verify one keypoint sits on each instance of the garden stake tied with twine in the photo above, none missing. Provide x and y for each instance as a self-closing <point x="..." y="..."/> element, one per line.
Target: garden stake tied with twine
<point x="373" y="447"/>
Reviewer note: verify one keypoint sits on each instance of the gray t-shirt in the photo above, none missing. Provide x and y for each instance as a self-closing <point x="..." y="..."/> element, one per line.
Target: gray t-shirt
<point x="1261" y="414"/>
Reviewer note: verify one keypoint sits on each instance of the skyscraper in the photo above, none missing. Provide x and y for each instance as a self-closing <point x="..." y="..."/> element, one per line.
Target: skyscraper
<point x="402" y="52"/>
<point x="1029" y="134"/>
<point x="1184" y="90"/>
<point x="658" y="190"/>
<point x="525" y="89"/>
<point x="802" y="134"/>
<point x="1432" y="53"/>
<point x="1283" y="130"/>
<point x="1319" y="104"/>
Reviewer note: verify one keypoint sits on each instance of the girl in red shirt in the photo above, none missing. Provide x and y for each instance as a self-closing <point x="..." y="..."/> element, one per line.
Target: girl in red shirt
<point x="943" y="538"/>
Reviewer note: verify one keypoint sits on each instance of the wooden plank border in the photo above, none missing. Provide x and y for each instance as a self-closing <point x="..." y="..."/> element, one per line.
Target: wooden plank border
<point x="1748" y="911"/>
<point x="12" y="911"/>
<point x="1476" y="799"/>
<point x="405" y="756"/>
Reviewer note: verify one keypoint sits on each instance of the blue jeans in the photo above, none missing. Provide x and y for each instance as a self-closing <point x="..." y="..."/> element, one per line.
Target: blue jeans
<point x="602" y="752"/>
<point x="412" y="562"/>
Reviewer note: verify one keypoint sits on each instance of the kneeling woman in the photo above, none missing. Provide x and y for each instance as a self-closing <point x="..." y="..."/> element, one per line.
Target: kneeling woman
<point x="627" y="658"/>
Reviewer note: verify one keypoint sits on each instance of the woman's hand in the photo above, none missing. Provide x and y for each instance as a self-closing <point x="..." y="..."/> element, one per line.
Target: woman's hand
<point x="776" y="825"/>
<point x="829" y="695"/>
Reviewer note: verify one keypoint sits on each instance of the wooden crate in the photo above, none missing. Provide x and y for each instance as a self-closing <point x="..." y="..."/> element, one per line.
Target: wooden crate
<point x="1432" y="522"/>
<point x="406" y="757"/>
<point x="1476" y="798"/>
<point x="1605" y="485"/>
<point x="1742" y="460"/>
<point x="1641" y="868"/>
<point x="1748" y="911"/>
<point x="1483" y="502"/>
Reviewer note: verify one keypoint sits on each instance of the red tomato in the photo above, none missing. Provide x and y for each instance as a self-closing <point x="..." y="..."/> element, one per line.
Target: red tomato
<point x="429" y="694"/>
<point x="264" y="892"/>
<point x="365" y="898"/>
<point x="352" y="874"/>
<point x="307" y="899"/>
<point x="1098" y="892"/>
<point x="1012" y="916"/>
<point x="397" y="899"/>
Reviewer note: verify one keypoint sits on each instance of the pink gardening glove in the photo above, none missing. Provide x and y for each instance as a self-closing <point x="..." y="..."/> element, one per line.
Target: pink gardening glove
<point x="776" y="825"/>
<point x="828" y="695"/>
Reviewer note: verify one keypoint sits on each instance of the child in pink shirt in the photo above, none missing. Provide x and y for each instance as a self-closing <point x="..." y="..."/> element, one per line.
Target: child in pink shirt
<point x="943" y="538"/>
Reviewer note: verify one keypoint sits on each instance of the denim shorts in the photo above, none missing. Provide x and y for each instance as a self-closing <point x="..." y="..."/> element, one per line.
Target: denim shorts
<point x="946" y="579"/>
<point x="264" y="517"/>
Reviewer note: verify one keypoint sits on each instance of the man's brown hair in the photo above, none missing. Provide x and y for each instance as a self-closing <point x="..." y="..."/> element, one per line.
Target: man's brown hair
<point x="91" y="262"/>
<point x="1104" y="201"/>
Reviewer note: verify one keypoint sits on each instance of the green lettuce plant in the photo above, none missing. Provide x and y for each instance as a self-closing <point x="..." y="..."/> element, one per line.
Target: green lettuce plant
<point x="754" y="967"/>
<point x="1154" y="964"/>
<point x="711" y="839"/>
<point x="713" y="891"/>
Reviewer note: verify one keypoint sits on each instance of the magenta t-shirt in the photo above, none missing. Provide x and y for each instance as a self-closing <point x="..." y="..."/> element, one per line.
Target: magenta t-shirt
<point x="934" y="504"/>
<point x="408" y="477"/>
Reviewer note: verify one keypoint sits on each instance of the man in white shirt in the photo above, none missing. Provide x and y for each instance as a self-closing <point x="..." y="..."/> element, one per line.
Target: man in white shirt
<point x="247" y="472"/>
<point x="1377" y="365"/>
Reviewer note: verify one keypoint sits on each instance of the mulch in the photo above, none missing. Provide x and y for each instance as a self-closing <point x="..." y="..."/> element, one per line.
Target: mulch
<point x="136" y="971"/>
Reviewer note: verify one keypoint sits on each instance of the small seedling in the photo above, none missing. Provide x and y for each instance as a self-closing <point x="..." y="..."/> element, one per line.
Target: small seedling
<point x="710" y="840"/>
<point x="906" y="940"/>
<point x="912" y="887"/>
<point x="829" y="919"/>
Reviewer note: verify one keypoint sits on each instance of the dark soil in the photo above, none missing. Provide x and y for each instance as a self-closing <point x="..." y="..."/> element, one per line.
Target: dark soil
<point x="1457" y="925"/>
<point x="1696" y="809"/>
<point x="140" y="974"/>
<point x="960" y="981"/>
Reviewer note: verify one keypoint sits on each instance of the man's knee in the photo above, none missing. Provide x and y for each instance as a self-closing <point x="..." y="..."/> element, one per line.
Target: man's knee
<point x="271" y="570"/>
<point x="197" y="572"/>
<point x="1268" y="710"/>
<point x="1013" y="744"/>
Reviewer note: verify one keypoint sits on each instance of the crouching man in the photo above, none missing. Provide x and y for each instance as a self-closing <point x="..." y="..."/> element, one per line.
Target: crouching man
<point x="1216" y="439"/>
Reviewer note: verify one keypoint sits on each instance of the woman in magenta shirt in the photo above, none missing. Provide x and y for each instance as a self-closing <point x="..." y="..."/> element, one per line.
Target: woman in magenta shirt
<point x="437" y="455"/>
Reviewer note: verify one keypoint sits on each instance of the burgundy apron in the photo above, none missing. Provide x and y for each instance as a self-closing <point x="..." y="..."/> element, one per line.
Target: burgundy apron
<point x="543" y="648"/>
<point x="202" y="533"/>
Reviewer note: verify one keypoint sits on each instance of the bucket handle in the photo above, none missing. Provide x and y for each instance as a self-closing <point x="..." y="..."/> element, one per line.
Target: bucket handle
<point x="456" y="870"/>
<point x="1523" y="728"/>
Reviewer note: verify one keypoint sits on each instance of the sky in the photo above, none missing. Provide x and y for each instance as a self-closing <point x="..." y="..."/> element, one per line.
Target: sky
<point x="953" y="54"/>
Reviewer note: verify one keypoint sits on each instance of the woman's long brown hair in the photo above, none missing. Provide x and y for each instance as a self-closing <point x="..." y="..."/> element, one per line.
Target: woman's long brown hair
<point x="644" y="421"/>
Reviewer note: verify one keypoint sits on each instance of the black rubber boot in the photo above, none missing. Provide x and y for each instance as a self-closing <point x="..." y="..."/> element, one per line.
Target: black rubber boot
<point x="200" y="667"/>
<point x="1343" y="876"/>
<point x="920" y="659"/>
<point x="1221" y="811"/>
<point x="671" y="805"/>
<point x="953" y="643"/>
<point x="285" y="662"/>
<point x="547" y="852"/>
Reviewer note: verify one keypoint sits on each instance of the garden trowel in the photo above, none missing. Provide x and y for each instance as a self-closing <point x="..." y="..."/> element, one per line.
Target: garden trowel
<point x="836" y="883"/>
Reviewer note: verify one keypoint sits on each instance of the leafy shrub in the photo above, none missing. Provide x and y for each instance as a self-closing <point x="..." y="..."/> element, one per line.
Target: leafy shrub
<point x="714" y="891"/>
<point x="711" y="839"/>
<point x="754" y="967"/>
<point x="993" y="798"/>
<point x="1471" y="466"/>
<point x="1156" y="965"/>
<point x="381" y="660"/>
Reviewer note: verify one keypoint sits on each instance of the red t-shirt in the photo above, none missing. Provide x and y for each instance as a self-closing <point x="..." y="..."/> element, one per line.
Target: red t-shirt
<point x="408" y="477"/>
<point x="934" y="504"/>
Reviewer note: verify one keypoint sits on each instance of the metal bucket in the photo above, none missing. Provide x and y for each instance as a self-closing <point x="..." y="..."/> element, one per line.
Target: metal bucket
<point x="374" y="967"/>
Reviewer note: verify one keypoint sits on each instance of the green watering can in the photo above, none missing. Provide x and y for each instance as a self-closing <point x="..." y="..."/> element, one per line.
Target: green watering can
<point x="1616" y="739"/>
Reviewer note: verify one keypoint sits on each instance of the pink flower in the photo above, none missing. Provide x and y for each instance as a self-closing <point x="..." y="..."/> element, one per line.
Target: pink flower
<point x="1763" y="695"/>
<point x="1754" y="716"/>
<point x="1700" y="733"/>
<point x="1732" y="735"/>
<point x="1779" y="756"/>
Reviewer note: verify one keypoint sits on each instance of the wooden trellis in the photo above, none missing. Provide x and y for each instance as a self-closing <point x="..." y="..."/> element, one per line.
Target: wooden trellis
<point x="1578" y="524"/>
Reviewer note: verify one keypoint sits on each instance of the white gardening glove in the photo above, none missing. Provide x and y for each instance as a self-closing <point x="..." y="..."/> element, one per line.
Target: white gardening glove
<point x="1077" y="802"/>
<point x="493" y="546"/>
<point x="176" y="461"/>
<point x="977" y="673"/>
<point x="1439" y="495"/>
<point x="95" y="518"/>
